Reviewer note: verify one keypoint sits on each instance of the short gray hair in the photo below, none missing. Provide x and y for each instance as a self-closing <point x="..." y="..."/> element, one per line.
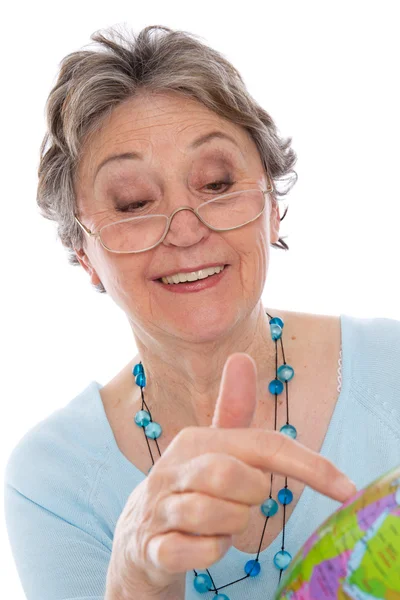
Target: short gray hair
<point x="91" y="83"/>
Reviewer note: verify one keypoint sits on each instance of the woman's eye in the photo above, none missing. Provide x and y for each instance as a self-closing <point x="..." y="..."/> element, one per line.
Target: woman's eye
<point x="215" y="186"/>
<point x="227" y="184"/>
<point x="132" y="206"/>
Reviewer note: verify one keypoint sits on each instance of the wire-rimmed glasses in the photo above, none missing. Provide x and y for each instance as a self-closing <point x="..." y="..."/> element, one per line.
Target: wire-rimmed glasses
<point x="141" y="233"/>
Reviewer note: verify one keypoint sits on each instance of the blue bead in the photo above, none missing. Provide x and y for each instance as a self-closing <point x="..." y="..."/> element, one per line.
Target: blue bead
<point x="142" y="418"/>
<point x="289" y="430"/>
<point x="141" y="379"/>
<point x="275" y="386"/>
<point x="137" y="369"/>
<point x="282" y="559"/>
<point x="276" y="331"/>
<point x="221" y="597"/>
<point x="153" y="430"/>
<point x="277" y="321"/>
<point x="202" y="583"/>
<point x="285" y="372"/>
<point x="285" y="496"/>
<point x="269" y="508"/>
<point x="252" y="568"/>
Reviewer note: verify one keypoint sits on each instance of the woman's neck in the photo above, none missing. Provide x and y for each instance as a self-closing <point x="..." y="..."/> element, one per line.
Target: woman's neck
<point x="183" y="380"/>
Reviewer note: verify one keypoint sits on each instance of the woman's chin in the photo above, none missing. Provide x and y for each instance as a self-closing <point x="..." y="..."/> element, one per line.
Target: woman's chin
<point x="207" y="324"/>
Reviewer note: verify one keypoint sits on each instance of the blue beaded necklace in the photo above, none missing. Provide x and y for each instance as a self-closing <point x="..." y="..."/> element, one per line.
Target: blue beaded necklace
<point x="203" y="582"/>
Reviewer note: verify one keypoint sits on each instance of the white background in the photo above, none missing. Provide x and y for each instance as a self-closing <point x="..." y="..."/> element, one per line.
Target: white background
<point x="327" y="72"/>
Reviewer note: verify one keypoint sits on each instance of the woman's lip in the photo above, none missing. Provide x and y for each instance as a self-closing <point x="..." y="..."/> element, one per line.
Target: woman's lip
<point x="190" y="270"/>
<point x="186" y="271"/>
<point x="194" y="286"/>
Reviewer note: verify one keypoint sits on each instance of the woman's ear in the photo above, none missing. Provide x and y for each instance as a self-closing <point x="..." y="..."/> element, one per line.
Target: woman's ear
<point x="274" y="221"/>
<point x="87" y="265"/>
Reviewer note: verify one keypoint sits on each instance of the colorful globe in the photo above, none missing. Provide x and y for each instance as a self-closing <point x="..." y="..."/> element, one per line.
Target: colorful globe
<point x="355" y="553"/>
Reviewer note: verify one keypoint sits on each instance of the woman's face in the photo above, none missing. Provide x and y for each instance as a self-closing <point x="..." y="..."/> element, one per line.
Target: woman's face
<point x="171" y="172"/>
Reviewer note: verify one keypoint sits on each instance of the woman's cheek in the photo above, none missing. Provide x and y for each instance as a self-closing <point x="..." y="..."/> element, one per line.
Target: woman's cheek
<point x="259" y="260"/>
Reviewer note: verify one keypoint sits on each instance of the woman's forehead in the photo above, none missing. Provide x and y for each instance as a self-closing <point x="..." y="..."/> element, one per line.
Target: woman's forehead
<point x="163" y="109"/>
<point x="159" y="126"/>
<point x="162" y="119"/>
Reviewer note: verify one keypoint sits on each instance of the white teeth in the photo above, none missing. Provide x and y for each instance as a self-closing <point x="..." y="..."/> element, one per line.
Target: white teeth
<point x="193" y="276"/>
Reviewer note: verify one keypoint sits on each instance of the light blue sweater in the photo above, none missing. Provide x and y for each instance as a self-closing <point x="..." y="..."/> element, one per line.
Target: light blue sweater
<point x="67" y="482"/>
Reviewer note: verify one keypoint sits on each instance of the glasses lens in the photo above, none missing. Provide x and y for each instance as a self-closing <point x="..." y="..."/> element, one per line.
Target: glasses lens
<point x="134" y="234"/>
<point x="225" y="212"/>
<point x="232" y="210"/>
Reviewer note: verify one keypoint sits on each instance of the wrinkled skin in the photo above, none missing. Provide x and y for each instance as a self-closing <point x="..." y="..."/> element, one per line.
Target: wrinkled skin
<point x="200" y="491"/>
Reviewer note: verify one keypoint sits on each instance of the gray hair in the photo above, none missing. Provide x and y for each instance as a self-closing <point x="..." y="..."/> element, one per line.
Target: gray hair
<point x="93" y="82"/>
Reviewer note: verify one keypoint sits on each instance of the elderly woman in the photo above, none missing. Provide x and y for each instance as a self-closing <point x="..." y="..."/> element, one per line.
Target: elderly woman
<point x="194" y="472"/>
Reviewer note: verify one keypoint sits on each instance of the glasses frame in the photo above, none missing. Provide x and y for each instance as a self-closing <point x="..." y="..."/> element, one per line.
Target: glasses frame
<point x="97" y="234"/>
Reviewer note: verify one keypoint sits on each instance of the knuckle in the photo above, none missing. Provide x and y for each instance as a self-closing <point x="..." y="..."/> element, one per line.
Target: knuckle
<point x="260" y="440"/>
<point x="187" y="511"/>
<point x="171" y="511"/>
<point x="222" y="474"/>
<point x="272" y="442"/>
<point x="173" y="553"/>
<point x="185" y="434"/>
<point x="159" y="478"/>
<point x="199" y="512"/>
<point x="177" y="512"/>
<point x="189" y="434"/>
<point x="166" y="551"/>
<point x="191" y="437"/>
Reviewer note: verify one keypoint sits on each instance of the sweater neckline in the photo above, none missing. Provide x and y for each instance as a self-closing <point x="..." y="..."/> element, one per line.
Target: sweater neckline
<point x="293" y="524"/>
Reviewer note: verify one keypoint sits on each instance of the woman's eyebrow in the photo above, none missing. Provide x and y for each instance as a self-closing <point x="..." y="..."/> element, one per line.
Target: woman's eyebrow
<point x="195" y="144"/>
<point x="210" y="136"/>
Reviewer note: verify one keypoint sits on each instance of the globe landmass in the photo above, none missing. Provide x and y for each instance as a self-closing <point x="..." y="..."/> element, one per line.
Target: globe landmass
<point x="355" y="553"/>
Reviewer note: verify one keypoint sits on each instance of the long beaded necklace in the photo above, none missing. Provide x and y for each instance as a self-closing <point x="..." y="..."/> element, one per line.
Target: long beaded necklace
<point x="203" y="582"/>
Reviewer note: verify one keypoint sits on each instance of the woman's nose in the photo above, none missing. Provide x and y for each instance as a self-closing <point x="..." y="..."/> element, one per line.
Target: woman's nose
<point x="185" y="228"/>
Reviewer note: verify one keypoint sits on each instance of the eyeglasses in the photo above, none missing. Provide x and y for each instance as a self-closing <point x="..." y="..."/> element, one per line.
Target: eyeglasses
<point x="223" y="213"/>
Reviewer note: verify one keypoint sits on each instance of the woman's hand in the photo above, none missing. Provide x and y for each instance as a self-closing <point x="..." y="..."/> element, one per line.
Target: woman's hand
<point x="199" y="493"/>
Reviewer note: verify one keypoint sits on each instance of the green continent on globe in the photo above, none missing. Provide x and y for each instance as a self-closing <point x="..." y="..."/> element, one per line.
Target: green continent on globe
<point x="355" y="553"/>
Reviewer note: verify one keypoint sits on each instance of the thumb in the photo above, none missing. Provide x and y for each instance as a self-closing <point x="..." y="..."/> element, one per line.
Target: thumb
<point x="237" y="399"/>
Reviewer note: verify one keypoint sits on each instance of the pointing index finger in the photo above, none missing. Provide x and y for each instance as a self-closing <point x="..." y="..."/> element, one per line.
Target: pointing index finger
<point x="269" y="451"/>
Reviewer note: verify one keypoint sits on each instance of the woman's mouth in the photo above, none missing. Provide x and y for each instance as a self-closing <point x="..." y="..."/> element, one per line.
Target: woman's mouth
<point x="194" y="286"/>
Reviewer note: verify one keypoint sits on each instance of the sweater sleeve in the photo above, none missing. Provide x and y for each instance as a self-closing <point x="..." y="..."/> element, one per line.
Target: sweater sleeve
<point x="54" y="558"/>
<point x="60" y="547"/>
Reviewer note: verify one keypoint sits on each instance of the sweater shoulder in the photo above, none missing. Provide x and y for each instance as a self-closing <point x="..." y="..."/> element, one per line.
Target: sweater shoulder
<point x="60" y="454"/>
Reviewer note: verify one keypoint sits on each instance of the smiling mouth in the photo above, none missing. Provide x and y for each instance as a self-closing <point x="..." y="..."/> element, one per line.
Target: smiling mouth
<point x="194" y="281"/>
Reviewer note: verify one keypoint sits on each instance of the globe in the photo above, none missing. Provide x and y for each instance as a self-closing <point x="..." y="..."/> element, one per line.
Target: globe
<point x="355" y="553"/>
